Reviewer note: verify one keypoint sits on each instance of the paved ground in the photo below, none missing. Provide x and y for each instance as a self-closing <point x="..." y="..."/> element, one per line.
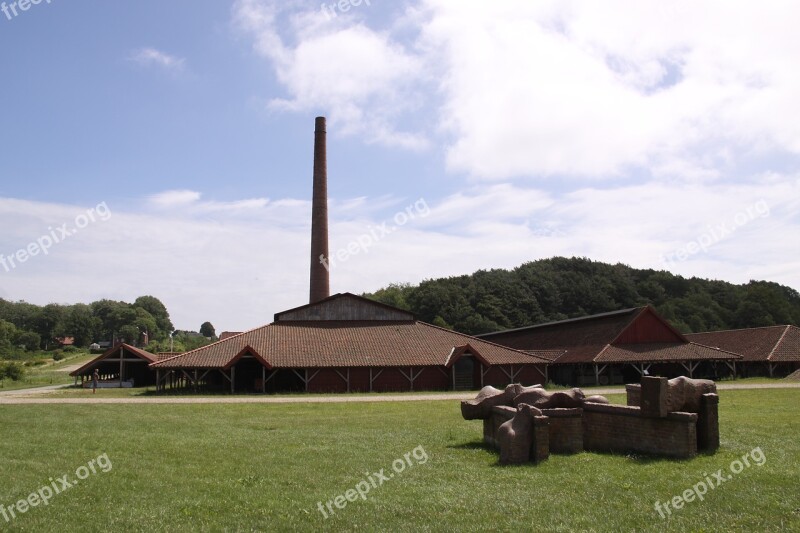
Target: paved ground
<point x="28" y="396"/>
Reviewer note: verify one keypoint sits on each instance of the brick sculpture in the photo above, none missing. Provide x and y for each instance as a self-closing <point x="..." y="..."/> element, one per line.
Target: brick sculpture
<point x="673" y="418"/>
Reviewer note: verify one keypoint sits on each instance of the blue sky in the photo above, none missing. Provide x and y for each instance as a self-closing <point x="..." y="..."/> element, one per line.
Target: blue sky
<point x="658" y="135"/>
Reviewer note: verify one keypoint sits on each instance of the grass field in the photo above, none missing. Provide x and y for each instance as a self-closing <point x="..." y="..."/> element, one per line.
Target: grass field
<point x="266" y="467"/>
<point x="50" y="373"/>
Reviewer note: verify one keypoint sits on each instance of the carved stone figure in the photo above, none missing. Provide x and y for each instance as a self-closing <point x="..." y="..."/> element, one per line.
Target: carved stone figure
<point x="515" y="436"/>
<point x="684" y="394"/>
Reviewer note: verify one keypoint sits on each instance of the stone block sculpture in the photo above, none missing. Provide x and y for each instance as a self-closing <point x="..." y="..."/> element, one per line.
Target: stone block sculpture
<point x="673" y="418"/>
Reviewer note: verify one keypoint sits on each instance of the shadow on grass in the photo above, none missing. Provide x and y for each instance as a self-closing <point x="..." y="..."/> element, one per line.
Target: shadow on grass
<point x="475" y="445"/>
<point x="636" y="458"/>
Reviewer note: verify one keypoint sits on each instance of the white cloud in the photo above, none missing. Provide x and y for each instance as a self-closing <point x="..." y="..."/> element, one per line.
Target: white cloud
<point x="237" y="271"/>
<point x="361" y="79"/>
<point x="151" y="56"/>
<point x="189" y="201"/>
<point x="578" y="89"/>
<point x="169" y="199"/>
<point x="594" y="89"/>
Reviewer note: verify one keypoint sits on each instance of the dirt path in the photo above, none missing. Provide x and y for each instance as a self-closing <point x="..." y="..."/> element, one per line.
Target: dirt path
<point x="28" y="396"/>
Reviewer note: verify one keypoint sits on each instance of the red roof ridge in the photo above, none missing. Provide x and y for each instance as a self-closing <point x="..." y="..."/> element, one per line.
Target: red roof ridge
<point x="742" y="329"/>
<point x="605" y="348"/>
<point x="717" y="348"/>
<point x="780" y="340"/>
<point x="207" y="346"/>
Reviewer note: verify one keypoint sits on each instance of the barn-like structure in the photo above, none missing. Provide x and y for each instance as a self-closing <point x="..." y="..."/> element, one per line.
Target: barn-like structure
<point x="347" y="343"/>
<point x="120" y="366"/>
<point x="618" y="347"/>
<point x="772" y="350"/>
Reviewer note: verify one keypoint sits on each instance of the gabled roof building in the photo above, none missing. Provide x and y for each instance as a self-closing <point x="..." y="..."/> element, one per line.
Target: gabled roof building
<point x="765" y="350"/>
<point x="119" y="365"/>
<point x="617" y="347"/>
<point x="347" y="343"/>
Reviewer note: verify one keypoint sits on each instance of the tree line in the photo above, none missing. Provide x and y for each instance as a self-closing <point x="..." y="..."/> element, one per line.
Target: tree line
<point x="26" y="327"/>
<point x="560" y="288"/>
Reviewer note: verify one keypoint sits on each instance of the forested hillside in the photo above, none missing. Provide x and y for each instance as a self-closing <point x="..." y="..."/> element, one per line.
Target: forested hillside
<point x="29" y="327"/>
<point x="560" y="288"/>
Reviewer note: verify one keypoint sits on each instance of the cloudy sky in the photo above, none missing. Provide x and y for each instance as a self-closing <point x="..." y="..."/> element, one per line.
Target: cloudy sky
<point x="165" y="148"/>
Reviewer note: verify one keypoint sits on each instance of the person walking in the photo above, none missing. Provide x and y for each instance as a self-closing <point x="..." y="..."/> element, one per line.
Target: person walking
<point x="95" y="379"/>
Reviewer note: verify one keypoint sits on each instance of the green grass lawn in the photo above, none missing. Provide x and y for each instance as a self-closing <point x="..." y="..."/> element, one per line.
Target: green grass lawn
<point x="51" y="373"/>
<point x="265" y="467"/>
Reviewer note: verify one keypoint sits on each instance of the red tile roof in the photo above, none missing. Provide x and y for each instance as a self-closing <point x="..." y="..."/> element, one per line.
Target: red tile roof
<point x="316" y="344"/>
<point x="630" y="335"/>
<point x="662" y="352"/>
<point x="775" y="344"/>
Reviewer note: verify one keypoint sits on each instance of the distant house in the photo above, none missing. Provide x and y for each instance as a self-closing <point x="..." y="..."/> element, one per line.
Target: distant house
<point x="771" y="350"/>
<point x="618" y="347"/>
<point x="65" y="341"/>
<point x="228" y="334"/>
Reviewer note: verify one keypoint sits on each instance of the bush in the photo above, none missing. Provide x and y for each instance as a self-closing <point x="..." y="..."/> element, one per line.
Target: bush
<point x="70" y="349"/>
<point x="12" y="371"/>
<point x="58" y="356"/>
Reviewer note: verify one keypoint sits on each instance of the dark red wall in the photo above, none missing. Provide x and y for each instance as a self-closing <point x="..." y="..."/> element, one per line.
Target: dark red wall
<point x="647" y="328"/>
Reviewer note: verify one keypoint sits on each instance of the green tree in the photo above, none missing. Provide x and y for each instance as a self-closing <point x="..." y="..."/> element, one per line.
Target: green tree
<point x="81" y="324"/>
<point x="158" y="311"/>
<point x="207" y="330"/>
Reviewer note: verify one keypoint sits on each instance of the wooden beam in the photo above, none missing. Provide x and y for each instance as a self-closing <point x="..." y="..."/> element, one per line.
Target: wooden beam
<point x="410" y="376"/>
<point x="373" y="378"/>
<point x="484" y="372"/>
<point x="345" y="378"/>
<point x="512" y="376"/>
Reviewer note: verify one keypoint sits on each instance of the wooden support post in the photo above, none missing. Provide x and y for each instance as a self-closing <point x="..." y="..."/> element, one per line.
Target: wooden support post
<point x="411" y="377"/>
<point x="263" y="379"/>
<point x="373" y="377"/>
<point x="345" y="377"/>
<point x="121" y="362"/>
<point x="233" y="379"/>
<point x="596" y="375"/>
<point x="158" y="379"/>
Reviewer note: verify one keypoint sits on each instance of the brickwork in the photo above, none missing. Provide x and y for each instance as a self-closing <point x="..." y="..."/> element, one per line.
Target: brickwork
<point x="600" y="427"/>
<point x="708" y="424"/>
<point x="618" y="428"/>
<point x="566" y="430"/>
<point x="634" y="394"/>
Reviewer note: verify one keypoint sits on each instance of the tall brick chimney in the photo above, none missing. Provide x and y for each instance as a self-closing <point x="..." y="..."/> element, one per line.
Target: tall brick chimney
<point x="320" y="277"/>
